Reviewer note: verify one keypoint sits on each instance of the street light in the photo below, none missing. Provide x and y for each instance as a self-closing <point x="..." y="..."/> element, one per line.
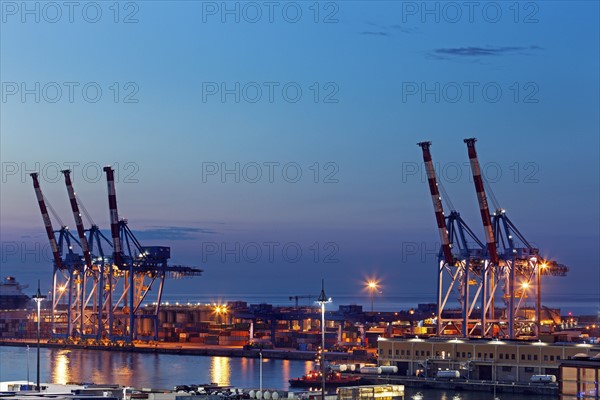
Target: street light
<point x="38" y="298"/>
<point x="322" y="300"/>
<point x="538" y="316"/>
<point x="524" y="287"/>
<point x="260" y="371"/>
<point x="372" y="287"/>
<point x="28" y="388"/>
<point x="220" y="310"/>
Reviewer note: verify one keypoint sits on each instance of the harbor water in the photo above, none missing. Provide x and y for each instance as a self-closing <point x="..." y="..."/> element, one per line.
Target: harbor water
<point x="164" y="371"/>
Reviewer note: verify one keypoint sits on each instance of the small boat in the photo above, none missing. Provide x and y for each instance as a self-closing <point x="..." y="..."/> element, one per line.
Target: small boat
<point x="332" y="379"/>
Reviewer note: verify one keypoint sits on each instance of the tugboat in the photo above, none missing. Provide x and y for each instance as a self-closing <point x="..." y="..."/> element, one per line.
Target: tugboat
<point x="332" y="380"/>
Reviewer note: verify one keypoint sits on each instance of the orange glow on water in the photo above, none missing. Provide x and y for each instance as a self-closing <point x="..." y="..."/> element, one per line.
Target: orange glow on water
<point x="60" y="367"/>
<point x="220" y="370"/>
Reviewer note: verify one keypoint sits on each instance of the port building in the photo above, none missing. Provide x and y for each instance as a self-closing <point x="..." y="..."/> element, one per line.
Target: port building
<point x="492" y="360"/>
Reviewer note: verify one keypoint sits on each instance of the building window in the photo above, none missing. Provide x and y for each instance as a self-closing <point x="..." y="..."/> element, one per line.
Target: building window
<point x="491" y="355"/>
<point x="522" y="357"/>
<point x="402" y="352"/>
<point x="512" y="357"/>
<point x="463" y="354"/>
<point x="551" y="358"/>
<point x="545" y="357"/>
<point x="389" y="352"/>
<point x="469" y="354"/>
<point x="569" y="381"/>
<point x="428" y="353"/>
<point x="506" y="356"/>
<point x="501" y="356"/>
<point x="528" y="357"/>
<point x="478" y="355"/>
<point x="422" y="353"/>
<point x="557" y="358"/>
<point x="535" y="357"/>
<point x="408" y="352"/>
<point x="587" y="377"/>
<point x="397" y="352"/>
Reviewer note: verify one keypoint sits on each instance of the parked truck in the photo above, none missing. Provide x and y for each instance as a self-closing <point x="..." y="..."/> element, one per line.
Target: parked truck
<point x="543" y="379"/>
<point x="448" y="374"/>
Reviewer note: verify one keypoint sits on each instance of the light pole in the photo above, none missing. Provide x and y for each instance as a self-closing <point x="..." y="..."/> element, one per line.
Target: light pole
<point x="220" y="310"/>
<point x="28" y="366"/>
<point x="372" y="286"/>
<point x="260" y="372"/>
<point x="538" y="317"/>
<point x="322" y="300"/>
<point x="38" y="298"/>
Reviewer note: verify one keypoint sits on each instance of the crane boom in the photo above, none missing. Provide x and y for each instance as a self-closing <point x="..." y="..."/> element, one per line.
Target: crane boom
<point x="482" y="199"/>
<point x="114" y="215"/>
<point x="47" y="221"/>
<point x="78" y="220"/>
<point x="437" y="203"/>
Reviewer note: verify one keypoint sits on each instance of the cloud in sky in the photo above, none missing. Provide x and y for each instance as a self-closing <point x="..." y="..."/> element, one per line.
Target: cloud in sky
<point x="375" y="33"/>
<point x="403" y="29"/>
<point x="385" y="30"/>
<point x="171" y="233"/>
<point x="446" y="53"/>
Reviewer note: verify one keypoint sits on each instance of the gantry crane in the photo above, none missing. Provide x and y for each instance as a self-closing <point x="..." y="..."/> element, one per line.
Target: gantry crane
<point x="513" y="261"/>
<point x="92" y="281"/>
<point x="494" y="268"/>
<point x="460" y="259"/>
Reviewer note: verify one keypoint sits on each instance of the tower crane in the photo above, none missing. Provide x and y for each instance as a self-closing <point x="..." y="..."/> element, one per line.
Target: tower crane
<point x="304" y="296"/>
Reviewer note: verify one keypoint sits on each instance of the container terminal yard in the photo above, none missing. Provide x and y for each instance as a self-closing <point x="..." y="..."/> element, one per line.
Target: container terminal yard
<point x="100" y="299"/>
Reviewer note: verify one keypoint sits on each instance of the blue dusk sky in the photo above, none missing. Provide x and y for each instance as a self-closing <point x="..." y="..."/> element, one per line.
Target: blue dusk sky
<point x="274" y="143"/>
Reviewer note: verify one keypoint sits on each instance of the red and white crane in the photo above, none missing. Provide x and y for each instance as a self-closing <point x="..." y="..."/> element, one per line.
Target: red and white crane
<point x="114" y="216"/>
<point x="482" y="199"/>
<point x="47" y="221"/>
<point x="492" y="268"/>
<point x="84" y="247"/>
<point x="437" y="203"/>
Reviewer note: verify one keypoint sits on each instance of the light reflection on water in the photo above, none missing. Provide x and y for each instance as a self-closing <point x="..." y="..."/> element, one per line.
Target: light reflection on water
<point x="164" y="371"/>
<point x="161" y="371"/>
<point x="220" y="370"/>
<point x="60" y="371"/>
